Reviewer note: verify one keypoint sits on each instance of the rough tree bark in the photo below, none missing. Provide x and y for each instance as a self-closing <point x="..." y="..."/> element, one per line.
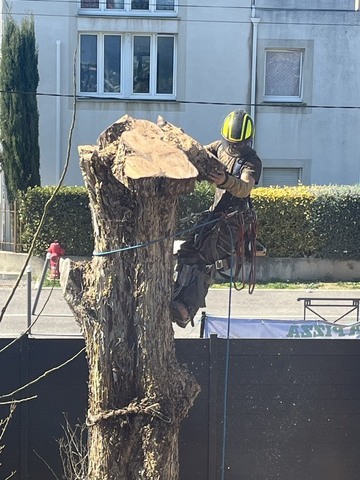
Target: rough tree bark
<point x="138" y="393"/>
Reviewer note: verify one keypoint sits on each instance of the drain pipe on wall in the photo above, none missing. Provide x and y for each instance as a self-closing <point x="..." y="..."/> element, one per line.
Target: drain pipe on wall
<point x="255" y="22"/>
<point x="58" y="112"/>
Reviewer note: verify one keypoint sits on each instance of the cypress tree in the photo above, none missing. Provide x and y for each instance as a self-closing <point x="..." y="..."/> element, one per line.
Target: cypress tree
<point x="19" y="116"/>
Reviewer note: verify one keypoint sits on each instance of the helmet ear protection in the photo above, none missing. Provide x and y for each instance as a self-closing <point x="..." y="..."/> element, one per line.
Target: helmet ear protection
<point x="237" y="127"/>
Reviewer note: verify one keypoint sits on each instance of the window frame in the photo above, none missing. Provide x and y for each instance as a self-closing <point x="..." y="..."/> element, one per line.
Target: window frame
<point x="286" y="98"/>
<point x="102" y="9"/>
<point x="127" y="67"/>
<point x="267" y="106"/>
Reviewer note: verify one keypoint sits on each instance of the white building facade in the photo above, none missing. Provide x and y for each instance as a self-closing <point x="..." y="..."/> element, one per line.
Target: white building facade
<point x="295" y="66"/>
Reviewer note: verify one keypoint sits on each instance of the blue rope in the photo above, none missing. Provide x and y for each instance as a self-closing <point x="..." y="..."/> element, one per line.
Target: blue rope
<point x="151" y="242"/>
<point x="227" y="359"/>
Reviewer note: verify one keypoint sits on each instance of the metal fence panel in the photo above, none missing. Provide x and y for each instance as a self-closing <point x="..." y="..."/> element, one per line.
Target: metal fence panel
<point x="292" y="408"/>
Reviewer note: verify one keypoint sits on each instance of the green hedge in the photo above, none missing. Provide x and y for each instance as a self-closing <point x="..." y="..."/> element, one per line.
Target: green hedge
<point x="284" y="221"/>
<point x="336" y="218"/>
<point x="317" y="221"/>
<point x="68" y="220"/>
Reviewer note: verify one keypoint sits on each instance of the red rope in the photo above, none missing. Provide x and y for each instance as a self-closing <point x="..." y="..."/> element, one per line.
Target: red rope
<point x="240" y="256"/>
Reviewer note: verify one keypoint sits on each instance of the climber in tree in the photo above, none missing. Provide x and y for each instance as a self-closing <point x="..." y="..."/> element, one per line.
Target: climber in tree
<point x="215" y="237"/>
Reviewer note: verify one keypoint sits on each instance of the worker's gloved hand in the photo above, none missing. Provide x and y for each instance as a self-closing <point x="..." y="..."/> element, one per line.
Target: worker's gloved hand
<point x="219" y="178"/>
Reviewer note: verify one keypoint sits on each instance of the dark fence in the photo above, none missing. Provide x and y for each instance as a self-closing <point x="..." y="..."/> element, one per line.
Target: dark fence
<point x="292" y="408"/>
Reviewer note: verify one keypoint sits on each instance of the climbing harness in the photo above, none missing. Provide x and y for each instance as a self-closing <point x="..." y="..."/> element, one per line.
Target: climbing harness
<point x="230" y="241"/>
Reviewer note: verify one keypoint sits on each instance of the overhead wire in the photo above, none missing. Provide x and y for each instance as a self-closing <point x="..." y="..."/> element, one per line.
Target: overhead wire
<point x="141" y="14"/>
<point x="210" y="6"/>
<point x="194" y="102"/>
<point x="227" y="22"/>
<point x="187" y="102"/>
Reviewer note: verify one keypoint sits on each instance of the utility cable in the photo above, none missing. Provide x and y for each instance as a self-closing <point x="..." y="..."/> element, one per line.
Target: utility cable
<point x="100" y="97"/>
<point x="227" y="362"/>
<point x="225" y="7"/>
<point x="144" y="15"/>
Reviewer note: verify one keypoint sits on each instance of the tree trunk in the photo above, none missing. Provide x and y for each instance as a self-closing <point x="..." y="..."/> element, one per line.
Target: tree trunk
<point x="138" y="393"/>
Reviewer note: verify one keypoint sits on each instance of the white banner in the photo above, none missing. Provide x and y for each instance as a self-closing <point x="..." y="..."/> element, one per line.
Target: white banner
<point x="287" y="329"/>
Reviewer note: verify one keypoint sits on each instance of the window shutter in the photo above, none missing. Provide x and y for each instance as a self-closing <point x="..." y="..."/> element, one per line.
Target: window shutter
<point x="281" y="176"/>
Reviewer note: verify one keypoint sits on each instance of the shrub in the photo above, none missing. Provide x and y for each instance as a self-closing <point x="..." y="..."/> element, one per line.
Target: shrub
<point x="303" y="221"/>
<point x="336" y="218"/>
<point x="283" y="221"/>
<point x="318" y="221"/>
<point x="68" y="220"/>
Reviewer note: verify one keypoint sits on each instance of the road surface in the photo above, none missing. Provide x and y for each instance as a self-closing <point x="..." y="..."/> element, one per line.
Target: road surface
<point x="53" y="317"/>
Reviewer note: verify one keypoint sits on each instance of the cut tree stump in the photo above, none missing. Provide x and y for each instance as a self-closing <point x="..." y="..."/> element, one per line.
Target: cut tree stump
<point x="138" y="393"/>
<point x="201" y="158"/>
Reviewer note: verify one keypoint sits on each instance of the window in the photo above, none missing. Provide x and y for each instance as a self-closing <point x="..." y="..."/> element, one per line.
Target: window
<point x="130" y="6"/>
<point x="281" y="177"/>
<point x="141" y="65"/>
<point x="105" y="77"/>
<point x="283" y="75"/>
<point x="88" y="64"/>
<point x="112" y="63"/>
<point x="127" y="65"/>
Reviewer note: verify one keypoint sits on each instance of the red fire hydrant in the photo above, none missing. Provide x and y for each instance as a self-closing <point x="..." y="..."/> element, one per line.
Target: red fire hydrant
<point x="56" y="251"/>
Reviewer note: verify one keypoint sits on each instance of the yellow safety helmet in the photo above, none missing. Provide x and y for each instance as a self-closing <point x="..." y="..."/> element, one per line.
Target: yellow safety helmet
<point x="237" y="127"/>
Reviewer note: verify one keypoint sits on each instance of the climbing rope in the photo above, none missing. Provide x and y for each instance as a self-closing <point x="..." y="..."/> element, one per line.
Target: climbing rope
<point x="227" y="362"/>
<point x="243" y="251"/>
<point x="246" y="250"/>
<point x="151" y="242"/>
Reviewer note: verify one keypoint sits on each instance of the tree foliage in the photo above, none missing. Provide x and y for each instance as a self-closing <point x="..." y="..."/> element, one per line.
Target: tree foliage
<point x="19" y="116"/>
